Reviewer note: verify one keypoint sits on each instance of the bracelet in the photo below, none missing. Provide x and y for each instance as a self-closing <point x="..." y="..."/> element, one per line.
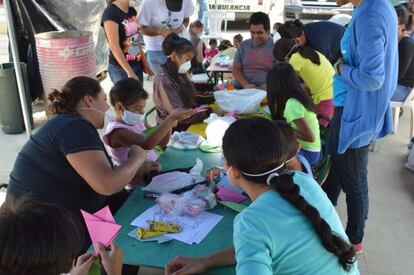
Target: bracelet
<point x="336" y="65"/>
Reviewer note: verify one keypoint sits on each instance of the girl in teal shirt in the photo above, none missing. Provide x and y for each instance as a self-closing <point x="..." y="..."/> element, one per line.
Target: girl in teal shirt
<point x="290" y="227"/>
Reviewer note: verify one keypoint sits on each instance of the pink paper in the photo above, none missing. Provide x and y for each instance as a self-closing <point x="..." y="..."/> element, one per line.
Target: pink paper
<point x="101" y="227"/>
<point x="227" y="194"/>
<point x="231" y="114"/>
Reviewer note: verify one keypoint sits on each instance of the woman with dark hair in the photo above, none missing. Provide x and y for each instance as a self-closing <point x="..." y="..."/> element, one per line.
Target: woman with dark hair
<point x="405" y="56"/>
<point x="119" y="22"/>
<point x="314" y="69"/>
<point x="172" y="87"/>
<point x="410" y="24"/>
<point x="45" y="239"/>
<point x="65" y="161"/>
<point x="287" y="101"/>
<point x="290" y="227"/>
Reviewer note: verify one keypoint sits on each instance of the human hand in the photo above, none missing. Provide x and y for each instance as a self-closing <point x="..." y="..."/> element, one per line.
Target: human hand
<point x="165" y="32"/>
<point x="219" y="111"/>
<point x="112" y="259"/>
<point x="148" y="167"/>
<point x="186" y="265"/>
<point x="132" y="75"/>
<point x="181" y="114"/>
<point x="83" y="264"/>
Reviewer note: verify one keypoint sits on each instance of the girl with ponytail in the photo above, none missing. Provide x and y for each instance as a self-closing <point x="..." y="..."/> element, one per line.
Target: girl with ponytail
<point x="315" y="70"/>
<point x="290" y="227"/>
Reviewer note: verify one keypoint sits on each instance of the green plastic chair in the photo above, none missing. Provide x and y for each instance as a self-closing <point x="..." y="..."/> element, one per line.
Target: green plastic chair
<point x="150" y="129"/>
<point x="321" y="171"/>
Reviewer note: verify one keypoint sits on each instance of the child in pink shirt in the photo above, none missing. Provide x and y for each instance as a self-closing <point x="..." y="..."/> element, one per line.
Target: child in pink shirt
<point x="128" y="99"/>
<point x="209" y="53"/>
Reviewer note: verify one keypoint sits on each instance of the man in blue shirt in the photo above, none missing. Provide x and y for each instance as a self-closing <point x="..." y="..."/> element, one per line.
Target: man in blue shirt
<point x="365" y="81"/>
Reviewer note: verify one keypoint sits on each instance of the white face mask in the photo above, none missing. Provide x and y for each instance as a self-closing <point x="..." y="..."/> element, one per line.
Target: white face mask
<point x="92" y="109"/>
<point x="228" y="178"/>
<point x="132" y="118"/>
<point x="133" y="3"/>
<point x="184" y="67"/>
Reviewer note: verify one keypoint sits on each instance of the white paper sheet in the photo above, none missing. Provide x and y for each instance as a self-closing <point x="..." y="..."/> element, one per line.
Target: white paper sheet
<point x="195" y="229"/>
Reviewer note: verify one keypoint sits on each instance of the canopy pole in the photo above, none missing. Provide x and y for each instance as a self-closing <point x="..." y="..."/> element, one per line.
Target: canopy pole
<point x="18" y="72"/>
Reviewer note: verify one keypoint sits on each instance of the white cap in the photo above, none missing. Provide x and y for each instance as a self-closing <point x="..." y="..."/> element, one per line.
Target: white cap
<point x="341" y="19"/>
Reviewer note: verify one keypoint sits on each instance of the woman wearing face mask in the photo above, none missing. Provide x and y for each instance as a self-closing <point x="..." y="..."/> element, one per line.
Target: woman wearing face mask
<point x="128" y="98"/>
<point x="172" y="86"/>
<point x="65" y="161"/>
<point x="119" y="21"/>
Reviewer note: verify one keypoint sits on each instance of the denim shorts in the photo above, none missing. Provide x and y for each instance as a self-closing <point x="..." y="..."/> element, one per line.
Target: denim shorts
<point x="401" y="93"/>
<point x="116" y="72"/>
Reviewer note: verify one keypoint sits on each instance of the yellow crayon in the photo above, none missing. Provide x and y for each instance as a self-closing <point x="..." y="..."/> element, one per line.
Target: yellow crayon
<point x="145" y="233"/>
<point x="168" y="227"/>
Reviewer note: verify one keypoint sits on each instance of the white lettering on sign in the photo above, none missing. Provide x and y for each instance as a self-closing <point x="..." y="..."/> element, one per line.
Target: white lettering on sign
<point x="231" y="7"/>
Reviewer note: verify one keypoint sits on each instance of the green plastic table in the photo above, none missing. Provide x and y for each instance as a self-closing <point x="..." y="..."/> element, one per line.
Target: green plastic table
<point x="152" y="254"/>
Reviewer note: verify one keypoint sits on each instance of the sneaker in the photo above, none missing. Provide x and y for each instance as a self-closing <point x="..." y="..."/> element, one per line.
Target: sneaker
<point x="358" y="248"/>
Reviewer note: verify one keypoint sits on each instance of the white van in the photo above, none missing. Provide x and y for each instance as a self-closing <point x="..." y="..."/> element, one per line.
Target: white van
<point x="241" y="9"/>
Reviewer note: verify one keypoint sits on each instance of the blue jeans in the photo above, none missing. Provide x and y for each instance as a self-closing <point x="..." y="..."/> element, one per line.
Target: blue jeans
<point x="203" y="8"/>
<point x="349" y="172"/>
<point x="155" y="60"/>
<point x="401" y="93"/>
<point x="116" y="72"/>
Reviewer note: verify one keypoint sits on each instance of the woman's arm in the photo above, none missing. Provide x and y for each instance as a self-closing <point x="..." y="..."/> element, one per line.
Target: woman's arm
<point x="405" y="56"/>
<point x="304" y="132"/>
<point x="94" y="168"/>
<point x="155" y="31"/>
<point x="200" y="51"/>
<point x="112" y="35"/>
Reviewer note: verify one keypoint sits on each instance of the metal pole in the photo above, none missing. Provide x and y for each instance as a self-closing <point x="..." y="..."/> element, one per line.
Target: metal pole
<point x="16" y="61"/>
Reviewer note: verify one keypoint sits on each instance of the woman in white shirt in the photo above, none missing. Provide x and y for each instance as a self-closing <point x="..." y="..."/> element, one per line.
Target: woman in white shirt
<point x="159" y="18"/>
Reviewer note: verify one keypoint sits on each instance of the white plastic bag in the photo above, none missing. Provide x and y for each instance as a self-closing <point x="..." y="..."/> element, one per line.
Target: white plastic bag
<point x="185" y="140"/>
<point x="192" y="202"/>
<point x="244" y="101"/>
<point x="217" y="126"/>
<point x="169" y="182"/>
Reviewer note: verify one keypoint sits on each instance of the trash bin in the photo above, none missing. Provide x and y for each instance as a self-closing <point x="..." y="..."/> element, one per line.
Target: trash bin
<point x="11" y="115"/>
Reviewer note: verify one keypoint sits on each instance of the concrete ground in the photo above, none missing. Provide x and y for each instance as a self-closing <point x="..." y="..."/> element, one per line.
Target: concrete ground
<point x="389" y="239"/>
